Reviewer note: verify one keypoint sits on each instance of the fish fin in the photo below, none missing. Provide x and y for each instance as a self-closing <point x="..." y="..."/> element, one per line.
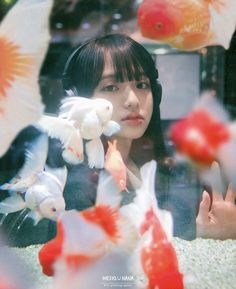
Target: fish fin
<point x="12" y="204"/>
<point x="212" y="177"/>
<point x="27" y="45"/>
<point x="70" y="137"/>
<point x="222" y="30"/>
<point x="147" y="173"/>
<point x="36" y="157"/>
<point x="71" y="158"/>
<point x="167" y="223"/>
<point x="227" y="159"/>
<point x="35" y="216"/>
<point x="232" y="129"/>
<point x="59" y="173"/>
<point x="107" y="191"/>
<point x="209" y="102"/>
<point x="5" y="187"/>
<point x="146" y="197"/>
<point x="91" y="126"/>
<point x="111" y="128"/>
<point x="95" y="153"/>
<point x="89" y="241"/>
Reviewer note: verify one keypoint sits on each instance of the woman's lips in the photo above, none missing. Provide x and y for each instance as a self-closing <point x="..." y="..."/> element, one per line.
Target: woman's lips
<point x="133" y="119"/>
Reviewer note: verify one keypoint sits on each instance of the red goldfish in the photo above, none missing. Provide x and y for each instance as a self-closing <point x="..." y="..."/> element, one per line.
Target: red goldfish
<point x="188" y="25"/>
<point x="114" y="164"/>
<point x="206" y="135"/>
<point x="22" y="51"/>
<point x="158" y="258"/>
<point x="154" y="253"/>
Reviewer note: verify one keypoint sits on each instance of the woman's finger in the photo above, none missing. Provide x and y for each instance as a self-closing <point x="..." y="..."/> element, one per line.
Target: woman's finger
<point x="231" y="195"/>
<point x="202" y="217"/>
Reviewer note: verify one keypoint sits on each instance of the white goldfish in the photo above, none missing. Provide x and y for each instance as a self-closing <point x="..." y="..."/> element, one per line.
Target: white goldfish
<point x="146" y="202"/>
<point x="66" y="132"/>
<point x="93" y="118"/>
<point x="36" y="188"/>
<point x="24" y="38"/>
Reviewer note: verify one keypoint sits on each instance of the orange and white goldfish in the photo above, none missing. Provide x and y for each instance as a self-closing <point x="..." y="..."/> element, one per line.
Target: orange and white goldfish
<point x="24" y="39"/>
<point x="158" y="258"/>
<point x="115" y="165"/>
<point x="207" y="135"/>
<point x="188" y="25"/>
<point x="83" y="237"/>
<point x="36" y="187"/>
<point x="93" y="118"/>
<point x="154" y="256"/>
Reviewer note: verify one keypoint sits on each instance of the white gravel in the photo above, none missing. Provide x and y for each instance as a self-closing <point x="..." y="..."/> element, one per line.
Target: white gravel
<point x="206" y="264"/>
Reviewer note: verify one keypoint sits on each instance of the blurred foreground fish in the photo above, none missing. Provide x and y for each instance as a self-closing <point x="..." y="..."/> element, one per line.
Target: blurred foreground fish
<point x="82" y="238"/>
<point x="24" y="38"/>
<point x="36" y="187"/>
<point x="188" y="25"/>
<point x="207" y="135"/>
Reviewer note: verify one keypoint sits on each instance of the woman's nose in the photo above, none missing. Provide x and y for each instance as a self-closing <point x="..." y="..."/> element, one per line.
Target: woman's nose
<point x="131" y="101"/>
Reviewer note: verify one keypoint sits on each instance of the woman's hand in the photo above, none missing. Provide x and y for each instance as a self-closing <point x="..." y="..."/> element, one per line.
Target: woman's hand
<point x="217" y="220"/>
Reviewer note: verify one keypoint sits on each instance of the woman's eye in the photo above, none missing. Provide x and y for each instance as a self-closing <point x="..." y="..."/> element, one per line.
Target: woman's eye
<point x="110" y="88"/>
<point x="143" y="85"/>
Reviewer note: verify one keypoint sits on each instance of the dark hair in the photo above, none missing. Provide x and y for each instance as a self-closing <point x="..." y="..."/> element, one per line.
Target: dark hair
<point x="84" y="69"/>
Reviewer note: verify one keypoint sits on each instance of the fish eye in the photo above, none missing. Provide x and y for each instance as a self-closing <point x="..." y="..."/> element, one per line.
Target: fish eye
<point x="54" y="209"/>
<point x="108" y="108"/>
<point x="159" y="25"/>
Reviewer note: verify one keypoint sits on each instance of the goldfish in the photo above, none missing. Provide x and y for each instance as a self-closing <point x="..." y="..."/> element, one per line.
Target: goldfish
<point x="64" y="130"/>
<point x="154" y="256"/>
<point x="188" y="25"/>
<point x="84" y="235"/>
<point x="159" y="261"/>
<point x="93" y="118"/>
<point x="206" y="135"/>
<point x="145" y="202"/>
<point x="115" y="165"/>
<point x="22" y="51"/>
<point x="37" y="187"/>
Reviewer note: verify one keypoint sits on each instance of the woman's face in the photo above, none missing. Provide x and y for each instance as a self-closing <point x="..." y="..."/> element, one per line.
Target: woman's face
<point x="132" y="102"/>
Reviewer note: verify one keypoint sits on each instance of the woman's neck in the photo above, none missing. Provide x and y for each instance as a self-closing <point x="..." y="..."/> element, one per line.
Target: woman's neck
<point x="124" y="146"/>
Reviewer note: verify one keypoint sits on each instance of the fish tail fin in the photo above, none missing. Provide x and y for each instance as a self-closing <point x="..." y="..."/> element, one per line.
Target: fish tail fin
<point x="95" y="152"/>
<point x="12" y="204"/>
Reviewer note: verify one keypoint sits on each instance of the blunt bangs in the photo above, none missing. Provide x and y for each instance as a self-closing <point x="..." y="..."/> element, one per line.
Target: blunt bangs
<point x="130" y="61"/>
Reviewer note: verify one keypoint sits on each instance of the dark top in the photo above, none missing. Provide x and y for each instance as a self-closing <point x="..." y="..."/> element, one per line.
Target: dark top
<point x="178" y="191"/>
